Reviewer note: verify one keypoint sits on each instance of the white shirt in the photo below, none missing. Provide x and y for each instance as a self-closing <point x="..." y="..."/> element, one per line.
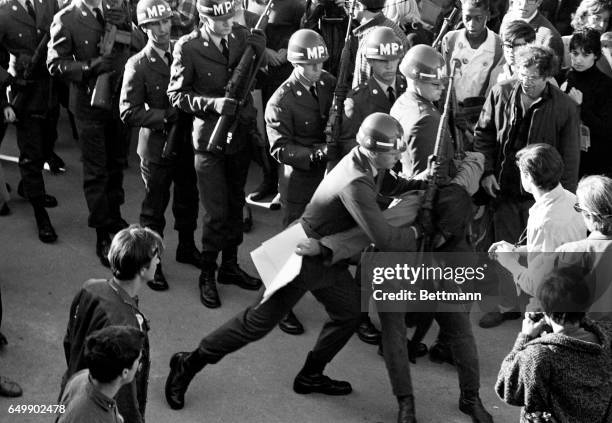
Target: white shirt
<point x="91" y="9"/>
<point x="475" y="64"/>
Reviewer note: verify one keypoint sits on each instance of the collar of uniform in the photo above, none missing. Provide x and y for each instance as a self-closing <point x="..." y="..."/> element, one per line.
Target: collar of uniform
<point x="98" y="398"/>
<point x="216" y="39"/>
<point x="91" y="8"/>
<point x="161" y="53"/>
<point x="305" y="82"/>
<point x="23" y="3"/>
<point x="384" y="87"/>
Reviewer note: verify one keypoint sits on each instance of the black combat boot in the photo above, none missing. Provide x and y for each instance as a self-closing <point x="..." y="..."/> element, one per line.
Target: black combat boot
<point x="470" y="404"/>
<point x="231" y="273"/>
<point x="406" y="413"/>
<point x="187" y="252"/>
<point x="183" y="367"/>
<point x="208" y="286"/>
<point x="311" y="379"/>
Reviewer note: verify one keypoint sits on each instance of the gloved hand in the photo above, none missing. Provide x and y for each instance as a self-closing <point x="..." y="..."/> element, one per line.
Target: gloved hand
<point x="225" y="106"/>
<point x="101" y="64"/>
<point x="318" y="156"/>
<point x="257" y="40"/>
<point x="116" y="16"/>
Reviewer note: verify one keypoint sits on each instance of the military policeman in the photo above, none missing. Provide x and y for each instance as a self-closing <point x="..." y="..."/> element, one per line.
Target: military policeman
<point x="74" y="55"/>
<point x="296" y="116"/>
<point x="383" y="51"/>
<point x="23" y="26"/>
<point x="145" y="83"/>
<point x="203" y="63"/>
<point x="346" y="198"/>
<point x="424" y="69"/>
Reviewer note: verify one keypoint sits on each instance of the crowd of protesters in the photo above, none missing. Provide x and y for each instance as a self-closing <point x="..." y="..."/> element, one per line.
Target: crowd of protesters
<point x="524" y="160"/>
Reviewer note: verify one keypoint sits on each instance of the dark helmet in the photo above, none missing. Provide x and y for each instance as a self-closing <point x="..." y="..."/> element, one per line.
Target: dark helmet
<point x="381" y="132"/>
<point x="424" y="63"/>
<point x="216" y="9"/>
<point x="372" y="4"/>
<point x="307" y="46"/>
<point x="381" y="43"/>
<point x="152" y="11"/>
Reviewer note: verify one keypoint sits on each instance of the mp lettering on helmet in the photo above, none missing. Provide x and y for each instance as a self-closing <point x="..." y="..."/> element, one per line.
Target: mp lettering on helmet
<point x="315" y="52"/>
<point x="388" y="49"/>
<point x="222" y="8"/>
<point x="155" y="11"/>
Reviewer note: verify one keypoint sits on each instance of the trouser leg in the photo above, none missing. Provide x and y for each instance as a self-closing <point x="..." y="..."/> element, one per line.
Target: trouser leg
<point x="395" y="353"/>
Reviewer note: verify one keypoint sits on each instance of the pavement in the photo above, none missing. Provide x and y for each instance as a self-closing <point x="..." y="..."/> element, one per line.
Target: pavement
<point x="254" y="384"/>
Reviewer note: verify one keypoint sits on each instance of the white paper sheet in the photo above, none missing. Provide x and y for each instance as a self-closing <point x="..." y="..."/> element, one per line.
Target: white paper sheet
<point x="276" y="260"/>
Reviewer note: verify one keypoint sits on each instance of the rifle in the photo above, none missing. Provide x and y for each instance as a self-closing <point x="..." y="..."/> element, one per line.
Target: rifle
<point x="102" y="93"/>
<point x="432" y="177"/>
<point x="175" y="135"/>
<point x="449" y="22"/>
<point x="334" y="121"/>
<point x="238" y="88"/>
<point x="41" y="49"/>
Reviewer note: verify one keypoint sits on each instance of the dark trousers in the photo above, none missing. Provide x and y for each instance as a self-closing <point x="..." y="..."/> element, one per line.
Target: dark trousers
<point x="157" y="178"/>
<point x="50" y="132"/>
<point x="221" y="180"/>
<point x="333" y="287"/>
<point x="31" y="138"/>
<point x="103" y="161"/>
<point x="509" y="221"/>
<point x="455" y="331"/>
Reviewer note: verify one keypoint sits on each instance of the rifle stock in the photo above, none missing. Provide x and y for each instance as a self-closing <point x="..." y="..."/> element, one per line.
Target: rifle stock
<point x="19" y="99"/>
<point x="334" y="121"/>
<point x="242" y="80"/>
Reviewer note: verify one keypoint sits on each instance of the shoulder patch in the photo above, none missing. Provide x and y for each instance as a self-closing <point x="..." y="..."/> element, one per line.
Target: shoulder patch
<point x="188" y="37"/>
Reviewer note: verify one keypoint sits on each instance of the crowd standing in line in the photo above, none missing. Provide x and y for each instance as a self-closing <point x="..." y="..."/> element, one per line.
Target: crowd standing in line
<point x="531" y="107"/>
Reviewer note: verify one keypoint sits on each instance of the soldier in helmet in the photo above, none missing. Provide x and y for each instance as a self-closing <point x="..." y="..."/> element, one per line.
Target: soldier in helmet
<point x="344" y="199"/>
<point x="296" y="116"/>
<point x="424" y="69"/>
<point x="23" y="25"/>
<point x="74" y="56"/>
<point x="203" y="63"/>
<point x="383" y="51"/>
<point x="369" y="15"/>
<point x="144" y="104"/>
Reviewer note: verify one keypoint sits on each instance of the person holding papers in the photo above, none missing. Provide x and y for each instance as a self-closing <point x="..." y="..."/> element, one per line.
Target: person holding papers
<point x="345" y="198"/>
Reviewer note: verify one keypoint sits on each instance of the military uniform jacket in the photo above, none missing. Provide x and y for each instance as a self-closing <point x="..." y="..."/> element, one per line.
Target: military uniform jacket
<point x="347" y="197"/>
<point x="144" y="100"/>
<point x="20" y="35"/>
<point x="361" y="102"/>
<point x="420" y="120"/>
<point x="101" y="303"/>
<point x="75" y="37"/>
<point x="295" y="122"/>
<point x="199" y="75"/>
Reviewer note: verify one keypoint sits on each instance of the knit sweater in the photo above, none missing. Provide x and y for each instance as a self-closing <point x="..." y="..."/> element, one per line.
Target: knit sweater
<point x="567" y="377"/>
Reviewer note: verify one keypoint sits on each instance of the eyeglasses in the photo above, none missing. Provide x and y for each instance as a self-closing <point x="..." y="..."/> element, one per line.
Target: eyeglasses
<point x="508" y="44"/>
<point x="580" y="209"/>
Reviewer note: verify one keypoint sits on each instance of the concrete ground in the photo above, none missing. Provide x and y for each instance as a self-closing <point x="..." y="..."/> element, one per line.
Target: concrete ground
<point x="38" y="282"/>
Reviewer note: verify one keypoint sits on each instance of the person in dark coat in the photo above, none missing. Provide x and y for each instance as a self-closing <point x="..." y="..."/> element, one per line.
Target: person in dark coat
<point x="202" y="66"/>
<point x="133" y="256"/>
<point x="591" y="89"/>
<point x="74" y="56"/>
<point x="33" y="108"/>
<point x="144" y="104"/>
